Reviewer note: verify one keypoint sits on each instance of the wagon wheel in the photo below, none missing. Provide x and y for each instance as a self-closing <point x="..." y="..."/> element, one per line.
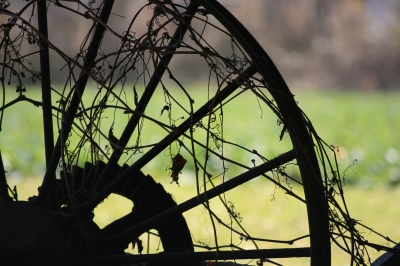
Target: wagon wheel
<point x="99" y="154"/>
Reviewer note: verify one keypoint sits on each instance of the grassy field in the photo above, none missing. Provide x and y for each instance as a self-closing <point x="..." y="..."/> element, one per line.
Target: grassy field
<point x="281" y="218"/>
<point x="364" y="126"/>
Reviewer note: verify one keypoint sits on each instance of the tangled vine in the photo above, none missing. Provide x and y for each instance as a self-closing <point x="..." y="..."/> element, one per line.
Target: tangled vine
<point x="127" y="95"/>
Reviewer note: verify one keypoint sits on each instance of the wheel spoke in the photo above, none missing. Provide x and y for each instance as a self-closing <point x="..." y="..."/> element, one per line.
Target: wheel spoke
<point x="46" y="85"/>
<point x="76" y="99"/>
<point x="174" y="135"/>
<point x="148" y="93"/>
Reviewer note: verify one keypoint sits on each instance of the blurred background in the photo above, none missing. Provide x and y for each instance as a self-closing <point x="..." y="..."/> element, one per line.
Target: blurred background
<point x="340" y="58"/>
<point x="328" y="44"/>
<point x="316" y="44"/>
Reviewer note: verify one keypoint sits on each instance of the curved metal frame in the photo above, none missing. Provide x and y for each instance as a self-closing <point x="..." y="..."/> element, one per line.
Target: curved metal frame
<point x="303" y="148"/>
<point x="317" y="203"/>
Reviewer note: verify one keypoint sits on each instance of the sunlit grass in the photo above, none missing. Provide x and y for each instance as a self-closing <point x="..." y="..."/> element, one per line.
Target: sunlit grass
<point x="266" y="211"/>
<point x="365" y="126"/>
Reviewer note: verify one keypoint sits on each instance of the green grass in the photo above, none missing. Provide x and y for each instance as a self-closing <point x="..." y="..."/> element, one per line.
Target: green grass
<point x="363" y="125"/>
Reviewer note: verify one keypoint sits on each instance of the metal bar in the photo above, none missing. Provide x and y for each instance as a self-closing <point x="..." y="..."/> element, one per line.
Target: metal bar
<point x="198" y="256"/>
<point x="137" y="230"/>
<point x="46" y="84"/>
<point x="95" y="199"/>
<point x="76" y="98"/>
<point x="145" y="99"/>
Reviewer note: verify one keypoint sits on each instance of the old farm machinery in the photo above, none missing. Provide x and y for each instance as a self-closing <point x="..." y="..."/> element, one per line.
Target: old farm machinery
<point x="101" y="135"/>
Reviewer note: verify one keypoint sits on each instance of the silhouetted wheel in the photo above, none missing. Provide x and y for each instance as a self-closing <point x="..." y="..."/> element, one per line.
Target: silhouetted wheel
<point x="127" y="107"/>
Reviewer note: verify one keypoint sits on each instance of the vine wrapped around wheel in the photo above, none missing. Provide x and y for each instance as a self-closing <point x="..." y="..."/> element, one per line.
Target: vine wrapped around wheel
<point x="124" y="104"/>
